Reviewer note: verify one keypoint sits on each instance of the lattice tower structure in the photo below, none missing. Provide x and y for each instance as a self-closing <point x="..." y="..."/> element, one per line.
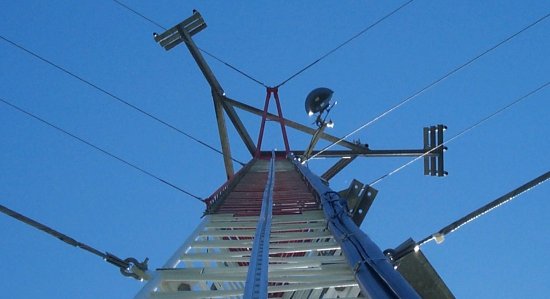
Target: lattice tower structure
<point x="305" y="260"/>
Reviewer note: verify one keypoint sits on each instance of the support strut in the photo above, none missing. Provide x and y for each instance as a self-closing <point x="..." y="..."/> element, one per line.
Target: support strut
<point x="281" y="120"/>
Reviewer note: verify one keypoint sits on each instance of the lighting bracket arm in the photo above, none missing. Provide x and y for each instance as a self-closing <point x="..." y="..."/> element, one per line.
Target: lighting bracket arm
<point x="432" y="153"/>
<point x="314" y="140"/>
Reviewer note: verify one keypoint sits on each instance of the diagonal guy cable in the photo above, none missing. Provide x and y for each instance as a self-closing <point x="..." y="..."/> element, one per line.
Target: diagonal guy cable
<point x="463" y="132"/>
<point x="98" y="148"/>
<point x="345" y="42"/>
<point x="202" y="50"/>
<point x="432" y="84"/>
<point x="110" y="94"/>
<point x="440" y="235"/>
<point x="126" y="266"/>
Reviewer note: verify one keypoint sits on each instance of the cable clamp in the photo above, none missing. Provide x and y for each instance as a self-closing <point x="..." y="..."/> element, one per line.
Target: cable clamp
<point x="130" y="267"/>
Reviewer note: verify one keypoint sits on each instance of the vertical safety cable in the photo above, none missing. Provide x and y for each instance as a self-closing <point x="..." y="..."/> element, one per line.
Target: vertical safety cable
<point x="257" y="276"/>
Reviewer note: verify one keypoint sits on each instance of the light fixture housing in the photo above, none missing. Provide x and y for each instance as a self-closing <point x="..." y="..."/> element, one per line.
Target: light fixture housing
<point x="318" y="100"/>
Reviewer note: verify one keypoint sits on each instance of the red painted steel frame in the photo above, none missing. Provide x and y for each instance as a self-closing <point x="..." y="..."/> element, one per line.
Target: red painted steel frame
<point x="281" y="120"/>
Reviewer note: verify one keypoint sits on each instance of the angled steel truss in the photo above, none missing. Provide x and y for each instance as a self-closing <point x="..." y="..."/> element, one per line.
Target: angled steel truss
<point x="183" y="32"/>
<point x="304" y="260"/>
<point x="274" y="229"/>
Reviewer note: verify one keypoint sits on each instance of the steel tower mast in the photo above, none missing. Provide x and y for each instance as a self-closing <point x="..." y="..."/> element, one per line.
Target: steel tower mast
<point x="275" y="229"/>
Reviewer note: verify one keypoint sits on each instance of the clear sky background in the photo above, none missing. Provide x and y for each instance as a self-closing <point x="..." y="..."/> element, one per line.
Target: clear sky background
<point x="111" y="206"/>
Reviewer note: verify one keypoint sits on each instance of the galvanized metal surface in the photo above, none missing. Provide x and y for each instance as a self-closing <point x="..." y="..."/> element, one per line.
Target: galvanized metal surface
<point x="373" y="272"/>
<point x="182" y="32"/>
<point x="304" y="258"/>
<point x="359" y="198"/>
<point x="417" y="270"/>
<point x="434" y="149"/>
<point x="292" y="124"/>
<point x="239" y="127"/>
<point x="337" y="167"/>
<point x="256" y="278"/>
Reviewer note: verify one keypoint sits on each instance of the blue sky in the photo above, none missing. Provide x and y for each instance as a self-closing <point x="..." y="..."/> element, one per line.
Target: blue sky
<point x="104" y="203"/>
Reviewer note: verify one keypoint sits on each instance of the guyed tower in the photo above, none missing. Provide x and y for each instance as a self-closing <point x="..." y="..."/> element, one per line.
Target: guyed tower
<point x="277" y="230"/>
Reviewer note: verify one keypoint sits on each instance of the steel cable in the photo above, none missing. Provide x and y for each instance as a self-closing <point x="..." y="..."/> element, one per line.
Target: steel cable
<point x="486" y="118"/>
<point x="439" y="236"/>
<point x="128" y="267"/>
<point x="345" y="43"/>
<point x="202" y="50"/>
<point x="432" y="84"/>
<point x="110" y="94"/>
<point x="67" y="133"/>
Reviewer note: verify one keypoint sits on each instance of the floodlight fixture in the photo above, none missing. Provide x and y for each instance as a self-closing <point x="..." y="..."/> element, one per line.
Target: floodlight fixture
<point x="318" y="100"/>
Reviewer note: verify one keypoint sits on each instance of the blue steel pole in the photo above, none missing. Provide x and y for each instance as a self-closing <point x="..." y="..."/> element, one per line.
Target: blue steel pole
<point x="374" y="273"/>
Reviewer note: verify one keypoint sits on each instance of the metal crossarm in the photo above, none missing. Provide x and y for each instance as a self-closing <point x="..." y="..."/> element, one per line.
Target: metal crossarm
<point x="291" y="124"/>
<point x="433" y="145"/>
<point x="173" y="36"/>
<point x="182" y="32"/>
<point x="275" y="230"/>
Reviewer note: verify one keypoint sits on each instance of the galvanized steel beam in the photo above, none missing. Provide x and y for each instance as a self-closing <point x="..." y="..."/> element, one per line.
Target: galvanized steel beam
<point x="373" y="272"/>
<point x="337" y="167"/>
<point x="294" y="125"/>
<point x="365" y="152"/>
<point x="224" y="139"/>
<point x="239" y="127"/>
<point x="182" y="32"/>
